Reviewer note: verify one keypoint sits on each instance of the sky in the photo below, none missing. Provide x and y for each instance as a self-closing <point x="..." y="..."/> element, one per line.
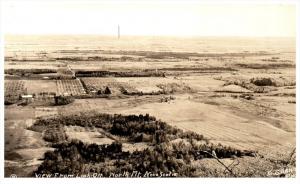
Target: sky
<point x="180" y="18"/>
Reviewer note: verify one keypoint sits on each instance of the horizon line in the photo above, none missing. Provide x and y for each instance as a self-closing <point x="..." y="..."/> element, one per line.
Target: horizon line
<point x="139" y="35"/>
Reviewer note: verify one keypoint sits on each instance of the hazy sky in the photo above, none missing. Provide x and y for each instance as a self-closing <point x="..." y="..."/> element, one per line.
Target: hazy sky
<point x="146" y="18"/>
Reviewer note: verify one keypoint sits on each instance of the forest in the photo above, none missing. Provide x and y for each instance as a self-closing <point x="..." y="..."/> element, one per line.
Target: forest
<point x="169" y="148"/>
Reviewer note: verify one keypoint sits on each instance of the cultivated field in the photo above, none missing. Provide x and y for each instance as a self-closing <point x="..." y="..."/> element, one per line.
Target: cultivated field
<point x="13" y="90"/>
<point x="40" y="86"/>
<point x="70" y="87"/>
<point x="98" y="85"/>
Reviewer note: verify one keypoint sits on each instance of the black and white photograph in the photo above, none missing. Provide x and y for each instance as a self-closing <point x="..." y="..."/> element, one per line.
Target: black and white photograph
<point x="148" y="89"/>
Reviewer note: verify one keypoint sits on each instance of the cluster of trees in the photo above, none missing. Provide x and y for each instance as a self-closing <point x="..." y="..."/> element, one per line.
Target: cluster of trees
<point x="157" y="160"/>
<point x="22" y="72"/>
<point x="85" y="73"/>
<point x="165" y="155"/>
<point x="172" y="88"/>
<point x="55" y="133"/>
<point x="60" y="77"/>
<point x="89" y="152"/>
<point x="168" y="156"/>
<point x="63" y="100"/>
<point x="266" y="66"/>
<point x="199" y="151"/>
<point x="167" y="99"/>
<point x="139" y="93"/>
<point x="93" y="119"/>
<point x="100" y="58"/>
<point x="248" y="85"/>
<point x="36" y="74"/>
<point x="105" y="91"/>
<point x="77" y="157"/>
<point x="141" y="128"/>
<point x="90" y="58"/>
<point x="72" y="157"/>
<point x="263" y="81"/>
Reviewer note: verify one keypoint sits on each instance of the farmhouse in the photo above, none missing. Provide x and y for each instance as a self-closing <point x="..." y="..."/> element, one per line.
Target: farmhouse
<point x="27" y="98"/>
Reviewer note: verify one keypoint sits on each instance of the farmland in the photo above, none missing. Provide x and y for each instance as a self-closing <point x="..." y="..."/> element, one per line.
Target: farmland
<point x="69" y="87"/>
<point x="13" y="90"/>
<point x="98" y="85"/>
<point x="40" y="86"/>
<point x="161" y="108"/>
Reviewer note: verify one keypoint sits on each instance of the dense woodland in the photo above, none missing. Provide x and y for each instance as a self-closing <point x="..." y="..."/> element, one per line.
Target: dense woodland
<point x="131" y="126"/>
<point x="170" y="149"/>
<point x="76" y="157"/>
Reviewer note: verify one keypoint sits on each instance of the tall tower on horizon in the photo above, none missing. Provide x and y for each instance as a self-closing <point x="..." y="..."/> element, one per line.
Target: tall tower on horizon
<point x="118" y="31"/>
